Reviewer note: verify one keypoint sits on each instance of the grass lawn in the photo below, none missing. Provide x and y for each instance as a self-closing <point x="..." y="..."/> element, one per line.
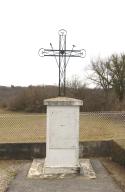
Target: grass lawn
<point x="19" y="127"/>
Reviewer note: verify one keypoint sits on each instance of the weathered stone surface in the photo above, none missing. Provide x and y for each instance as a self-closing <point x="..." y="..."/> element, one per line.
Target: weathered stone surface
<point x="87" y="169"/>
<point x="39" y="170"/>
<point x="62" y="132"/>
<point x="63" y="101"/>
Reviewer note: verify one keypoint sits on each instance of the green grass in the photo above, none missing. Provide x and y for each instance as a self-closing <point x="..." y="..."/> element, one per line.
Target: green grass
<point x="21" y="128"/>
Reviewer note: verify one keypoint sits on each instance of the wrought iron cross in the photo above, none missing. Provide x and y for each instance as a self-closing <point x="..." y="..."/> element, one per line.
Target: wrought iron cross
<point x="63" y="58"/>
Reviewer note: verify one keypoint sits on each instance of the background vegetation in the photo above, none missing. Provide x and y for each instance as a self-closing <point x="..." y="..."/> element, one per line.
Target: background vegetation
<point x="108" y="76"/>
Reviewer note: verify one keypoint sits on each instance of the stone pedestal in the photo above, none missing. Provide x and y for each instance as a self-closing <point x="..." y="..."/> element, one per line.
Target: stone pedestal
<point x="62" y="142"/>
<point x="62" y="139"/>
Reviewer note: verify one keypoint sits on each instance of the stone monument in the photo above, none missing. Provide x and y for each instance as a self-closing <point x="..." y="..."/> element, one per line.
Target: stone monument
<point x="62" y="132"/>
<point x="62" y="142"/>
<point x="62" y="147"/>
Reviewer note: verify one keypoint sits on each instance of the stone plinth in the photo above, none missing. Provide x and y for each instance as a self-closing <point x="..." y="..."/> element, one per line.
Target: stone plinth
<point x="37" y="170"/>
<point x="62" y="139"/>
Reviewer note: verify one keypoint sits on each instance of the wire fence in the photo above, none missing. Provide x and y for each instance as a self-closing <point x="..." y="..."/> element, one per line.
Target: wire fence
<point x="102" y="125"/>
<point x="28" y="128"/>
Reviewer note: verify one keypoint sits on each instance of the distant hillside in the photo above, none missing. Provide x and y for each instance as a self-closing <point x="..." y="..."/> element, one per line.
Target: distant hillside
<point x="10" y="97"/>
<point x="30" y="99"/>
<point x="8" y="92"/>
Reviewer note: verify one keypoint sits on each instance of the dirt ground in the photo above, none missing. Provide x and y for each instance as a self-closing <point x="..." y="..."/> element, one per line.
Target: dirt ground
<point x="116" y="171"/>
<point x="8" y="171"/>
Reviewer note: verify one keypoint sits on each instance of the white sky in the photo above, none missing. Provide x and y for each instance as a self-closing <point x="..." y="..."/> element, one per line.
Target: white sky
<point x="27" y="25"/>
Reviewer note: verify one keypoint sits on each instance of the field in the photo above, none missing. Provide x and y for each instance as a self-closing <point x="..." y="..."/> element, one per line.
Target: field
<point x="19" y="127"/>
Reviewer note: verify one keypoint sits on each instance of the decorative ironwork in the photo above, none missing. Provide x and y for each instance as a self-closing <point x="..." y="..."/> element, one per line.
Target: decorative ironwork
<point x="63" y="55"/>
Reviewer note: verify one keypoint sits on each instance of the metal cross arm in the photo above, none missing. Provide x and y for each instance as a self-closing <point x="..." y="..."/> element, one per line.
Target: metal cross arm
<point x="63" y="55"/>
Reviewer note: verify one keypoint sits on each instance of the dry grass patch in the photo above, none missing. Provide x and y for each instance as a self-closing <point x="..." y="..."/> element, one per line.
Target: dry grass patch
<point x="32" y="127"/>
<point x="99" y="127"/>
<point x="117" y="172"/>
<point x="8" y="170"/>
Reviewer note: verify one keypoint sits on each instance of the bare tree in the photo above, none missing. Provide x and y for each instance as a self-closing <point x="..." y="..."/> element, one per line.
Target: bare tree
<point x="76" y="86"/>
<point x="101" y="74"/>
<point x="110" y="73"/>
<point x="116" y="66"/>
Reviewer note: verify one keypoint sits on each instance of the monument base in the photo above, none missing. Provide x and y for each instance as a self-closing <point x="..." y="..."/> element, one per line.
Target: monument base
<point x="39" y="170"/>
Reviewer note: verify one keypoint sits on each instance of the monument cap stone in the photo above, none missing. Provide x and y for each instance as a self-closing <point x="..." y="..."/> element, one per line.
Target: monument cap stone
<point x="63" y="101"/>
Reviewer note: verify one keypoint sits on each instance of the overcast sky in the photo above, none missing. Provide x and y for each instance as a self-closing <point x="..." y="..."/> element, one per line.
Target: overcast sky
<point x="27" y="25"/>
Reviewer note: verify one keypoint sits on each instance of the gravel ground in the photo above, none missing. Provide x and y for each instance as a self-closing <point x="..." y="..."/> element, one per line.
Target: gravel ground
<point x="8" y="170"/>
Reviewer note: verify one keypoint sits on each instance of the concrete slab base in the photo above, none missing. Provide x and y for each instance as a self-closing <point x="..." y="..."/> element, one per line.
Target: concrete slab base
<point x="38" y="170"/>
